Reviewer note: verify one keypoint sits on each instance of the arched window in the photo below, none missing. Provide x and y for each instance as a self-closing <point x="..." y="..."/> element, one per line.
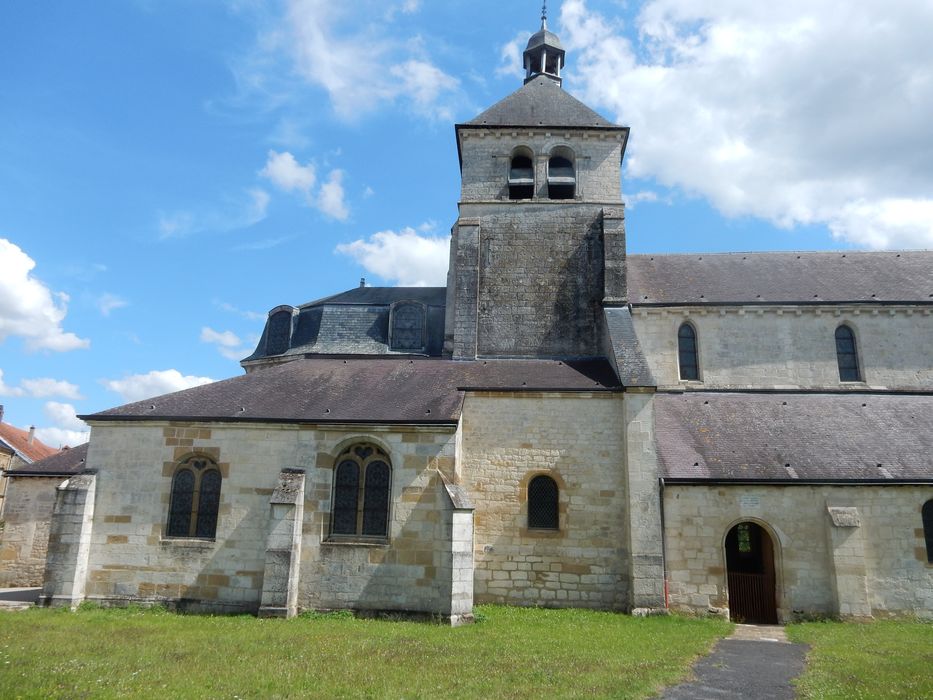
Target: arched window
<point x="927" y="516"/>
<point x="195" y="499"/>
<point x="521" y="175"/>
<point x="407" y="331"/>
<point x="278" y="332"/>
<point x="846" y="355"/>
<point x="687" y="352"/>
<point x="362" y="488"/>
<point x="561" y="175"/>
<point x="543" y="497"/>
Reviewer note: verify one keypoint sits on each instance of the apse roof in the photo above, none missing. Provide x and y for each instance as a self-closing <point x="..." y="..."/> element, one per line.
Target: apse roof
<point x="791" y="437"/>
<point x="363" y="390"/>
<point x="760" y="278"/>
<point x="64" y="463"/>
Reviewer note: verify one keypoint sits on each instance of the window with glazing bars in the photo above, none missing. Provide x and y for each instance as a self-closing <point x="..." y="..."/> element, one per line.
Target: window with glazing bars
<point x="195" y="499"/>
<point x="543" y="499"/>
<point x="847" y="355"/>
<point x="687" y="352"/>
<point x="362" y="487"/>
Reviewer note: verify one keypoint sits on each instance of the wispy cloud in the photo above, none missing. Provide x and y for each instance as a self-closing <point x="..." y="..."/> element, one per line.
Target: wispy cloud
<point x="227" y="343"/>
<point x="108" y="302"/>
<point x="230" y="308"/>
<point x="249" y="210"/>
<point x="288" y="175"/>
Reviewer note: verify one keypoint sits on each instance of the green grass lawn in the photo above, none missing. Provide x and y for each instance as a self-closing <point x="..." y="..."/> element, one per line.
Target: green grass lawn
<point x="511" y="653"/>
<point x="873" y="660"/>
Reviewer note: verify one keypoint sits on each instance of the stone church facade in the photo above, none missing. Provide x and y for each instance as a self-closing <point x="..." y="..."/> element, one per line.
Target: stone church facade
<point x="563" y="424"/>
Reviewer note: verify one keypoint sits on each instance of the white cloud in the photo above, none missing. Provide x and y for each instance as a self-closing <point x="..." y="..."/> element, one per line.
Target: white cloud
<point x="40" y="388"/>
<point x="136" y="387"/>
<point x="108" y="302"/>
<point x="68" y="429"/>
<point x="228" y="343"/>
<point x="245" y="211"/>
<point x="510" y="56"/>
<point x="287" y="174"/>
<point x="793" y="112"/>
<point x="331" y="198"/>
<point x="405" y="258"/>
<point x="28" y="308"/>
<point x="350" y="50"/>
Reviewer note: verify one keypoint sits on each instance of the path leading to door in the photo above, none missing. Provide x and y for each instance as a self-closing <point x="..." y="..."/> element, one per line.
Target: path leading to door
<point x="757" y="662"/>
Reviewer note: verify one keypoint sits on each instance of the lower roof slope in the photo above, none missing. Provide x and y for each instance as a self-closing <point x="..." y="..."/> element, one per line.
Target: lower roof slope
<point x="69" y="461"/>
<point x="794" y="437"/>
<point x="364" y="390"/>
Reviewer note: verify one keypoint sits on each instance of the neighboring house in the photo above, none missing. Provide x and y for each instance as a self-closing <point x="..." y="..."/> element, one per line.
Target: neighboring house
<point x="563" y="425"/>
<point x="17" y="448"/>
<point x="30" y="498"/>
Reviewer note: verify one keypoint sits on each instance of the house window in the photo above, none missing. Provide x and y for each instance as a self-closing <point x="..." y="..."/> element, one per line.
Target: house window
<point x="687" y="352"/>
<point x="362" y="487"/>
<point x="407" y="331"/>
<point x="927" y="515"/>
<point x="521" y="175"/>
<point x="561" y="175"/>
<point x="543" y="512"/>
<point x="846" y="355"/>
<point x="195" y="499"/>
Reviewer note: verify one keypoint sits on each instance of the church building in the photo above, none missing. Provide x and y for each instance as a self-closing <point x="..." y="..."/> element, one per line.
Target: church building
<point x="562" y="425"/>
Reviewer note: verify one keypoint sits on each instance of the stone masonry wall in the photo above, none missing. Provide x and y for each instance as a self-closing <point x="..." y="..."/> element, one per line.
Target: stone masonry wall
<point x="130" y="557"/>
<point x="25" y="536"/>
<point x="897" y="577"/>
<point x="507" y="439"/>
<point x="789" y="347"/>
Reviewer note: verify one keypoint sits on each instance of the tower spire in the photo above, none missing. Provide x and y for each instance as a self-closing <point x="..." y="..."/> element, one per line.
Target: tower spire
<point x="544" y="55"/>
<point x="544" y="15"/>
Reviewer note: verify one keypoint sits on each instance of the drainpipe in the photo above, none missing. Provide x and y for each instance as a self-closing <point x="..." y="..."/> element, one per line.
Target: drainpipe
<point x="667" y="602"/>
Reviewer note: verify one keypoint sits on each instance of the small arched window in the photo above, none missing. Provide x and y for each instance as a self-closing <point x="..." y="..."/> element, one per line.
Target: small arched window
<point x="543" y="497"/>
<point x="521" y="175"/>
<point x="687" y="352"/>
<point x="362" y="488"/>
<point x="847" y="355"/>
<point x="407" y="331"/>
<point x="278" y="332"/>
<point x="927" y="516"/>
<point x="561" y="175"/>
<point x="195" y="499"/>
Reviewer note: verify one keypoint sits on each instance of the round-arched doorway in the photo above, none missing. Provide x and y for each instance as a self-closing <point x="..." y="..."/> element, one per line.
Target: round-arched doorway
<point x="750" y="572"/>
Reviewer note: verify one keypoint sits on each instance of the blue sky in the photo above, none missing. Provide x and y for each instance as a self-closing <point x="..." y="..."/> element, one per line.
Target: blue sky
<point x="171" y="170"/>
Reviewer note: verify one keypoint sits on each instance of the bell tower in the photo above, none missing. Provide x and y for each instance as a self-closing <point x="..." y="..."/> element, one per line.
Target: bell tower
<point x="538" y="249"/>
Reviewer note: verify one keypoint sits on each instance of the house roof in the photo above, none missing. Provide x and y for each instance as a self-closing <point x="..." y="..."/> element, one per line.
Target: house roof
<point x="788" y="437"/>
<point x="63" y="463"/>
<point x="761" y="278"/>
<point x="540" y="102"/>
<point x="18" y="441"/>
<point x="363" y="390"/>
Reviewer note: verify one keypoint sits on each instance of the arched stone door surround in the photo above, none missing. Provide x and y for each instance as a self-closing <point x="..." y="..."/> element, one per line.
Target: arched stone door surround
<point x="751" y="578"/>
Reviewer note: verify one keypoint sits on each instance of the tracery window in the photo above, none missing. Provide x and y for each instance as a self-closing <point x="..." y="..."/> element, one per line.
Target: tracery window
<point x="521" y="175"/>
<point x="687" y="352"/>
<point x="407" y="332"/>
<point x="561" y="175"/>
<point x="847" y="355"/>
<point x="927" y="516"/>
<point x="543" y="501"/>
<point x="195" y="499"/>
<point x="362" y="487"/>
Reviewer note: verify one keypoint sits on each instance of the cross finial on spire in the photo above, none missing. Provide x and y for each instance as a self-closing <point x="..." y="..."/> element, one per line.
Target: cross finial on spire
<point x="544" y="15"/>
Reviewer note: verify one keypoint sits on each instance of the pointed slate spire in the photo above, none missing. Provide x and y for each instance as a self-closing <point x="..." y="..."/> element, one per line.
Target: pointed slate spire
<point x="544" y="54"/>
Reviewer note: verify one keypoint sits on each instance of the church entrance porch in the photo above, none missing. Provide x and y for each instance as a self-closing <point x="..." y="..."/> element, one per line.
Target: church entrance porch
<point x="750" y="573"/>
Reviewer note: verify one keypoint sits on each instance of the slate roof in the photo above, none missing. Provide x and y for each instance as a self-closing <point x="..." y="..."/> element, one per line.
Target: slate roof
<point x="356" y="322"/>
<point x="541" y="102"/>
<point x="630" y="362"/>
<point x="66" y="462"/>
<point x="18" y="441"/>
<point x="363" y="390"/>
<point x="786" y="437"/>
<point x="759" y="278"/>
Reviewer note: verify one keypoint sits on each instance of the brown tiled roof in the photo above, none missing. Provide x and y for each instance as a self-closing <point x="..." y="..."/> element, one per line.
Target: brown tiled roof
<point x="707" y="436"/>
<point x="64" y="463"/>
<point x="363" y="390"/>
<point x="761" y="278"/>
<point x="18" y="441"/>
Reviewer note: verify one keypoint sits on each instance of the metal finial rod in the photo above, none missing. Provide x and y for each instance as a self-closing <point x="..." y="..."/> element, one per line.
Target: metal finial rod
<point x="544" y="15"/>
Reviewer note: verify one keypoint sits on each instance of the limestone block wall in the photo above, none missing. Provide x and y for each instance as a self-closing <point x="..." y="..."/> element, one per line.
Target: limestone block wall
<point x="487" y="153"/>
<point x="577" y="439"/>
<point x="789" y="347"/>
<point x="25" y="536"/>
<point x="815" y="561"/>
<point x="131" y="558"/>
